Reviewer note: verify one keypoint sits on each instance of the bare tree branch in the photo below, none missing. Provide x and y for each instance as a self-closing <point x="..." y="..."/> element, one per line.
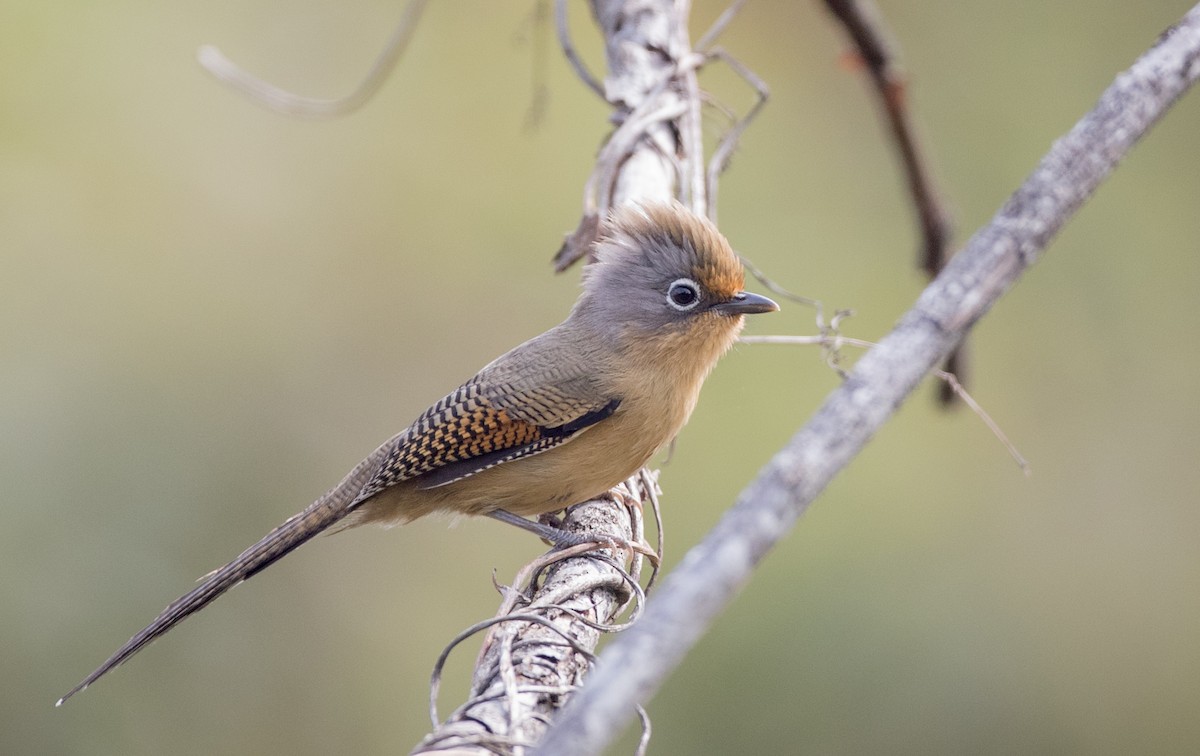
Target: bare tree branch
<point x="865" y="26"/>
<point x="864" y="23"/>
<point x="635" y="665"/>
<point x="539" y="645"/>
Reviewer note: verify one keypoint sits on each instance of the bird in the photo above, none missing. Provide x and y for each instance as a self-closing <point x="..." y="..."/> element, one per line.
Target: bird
<point x="556" y="421"/>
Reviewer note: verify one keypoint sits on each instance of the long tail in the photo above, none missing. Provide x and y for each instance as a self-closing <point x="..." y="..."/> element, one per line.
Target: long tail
<point x="319" y="516"/>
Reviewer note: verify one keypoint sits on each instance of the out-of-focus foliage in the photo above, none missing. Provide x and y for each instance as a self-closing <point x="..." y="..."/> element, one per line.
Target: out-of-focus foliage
<point x="209" y="312"/>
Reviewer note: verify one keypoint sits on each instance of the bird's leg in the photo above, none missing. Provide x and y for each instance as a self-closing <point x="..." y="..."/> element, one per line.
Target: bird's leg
<point x="561" y="539"/>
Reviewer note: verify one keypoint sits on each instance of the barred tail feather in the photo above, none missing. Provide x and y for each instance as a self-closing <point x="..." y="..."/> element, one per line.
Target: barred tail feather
<point x="298" y="529"/>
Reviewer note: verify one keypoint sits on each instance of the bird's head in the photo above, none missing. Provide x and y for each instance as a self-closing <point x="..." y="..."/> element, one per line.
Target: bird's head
<point x="666" y="276"/>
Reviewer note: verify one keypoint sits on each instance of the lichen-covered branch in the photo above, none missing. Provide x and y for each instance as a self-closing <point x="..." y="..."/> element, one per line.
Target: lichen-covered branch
<point x="539" y="644"/>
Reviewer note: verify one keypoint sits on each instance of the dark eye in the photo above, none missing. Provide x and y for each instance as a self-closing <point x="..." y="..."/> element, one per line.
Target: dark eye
<point x="683" y="294"/>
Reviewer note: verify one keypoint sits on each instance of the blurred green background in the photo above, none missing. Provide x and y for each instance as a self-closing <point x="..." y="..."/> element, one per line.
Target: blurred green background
<point x="209" y="312"/>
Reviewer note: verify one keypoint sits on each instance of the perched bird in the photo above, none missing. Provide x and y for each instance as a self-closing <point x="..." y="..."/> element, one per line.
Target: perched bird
<point x="556" y="421"/>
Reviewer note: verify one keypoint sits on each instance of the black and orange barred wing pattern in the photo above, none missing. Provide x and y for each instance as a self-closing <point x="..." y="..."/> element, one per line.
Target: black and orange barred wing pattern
<point x="473" y="429"/>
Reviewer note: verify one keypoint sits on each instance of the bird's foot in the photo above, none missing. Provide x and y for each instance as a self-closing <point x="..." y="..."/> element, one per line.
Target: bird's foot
<point x="549" y="529"/>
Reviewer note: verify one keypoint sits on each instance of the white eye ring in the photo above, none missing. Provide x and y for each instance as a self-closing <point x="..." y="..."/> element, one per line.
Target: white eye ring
<point x="683" y="294"/>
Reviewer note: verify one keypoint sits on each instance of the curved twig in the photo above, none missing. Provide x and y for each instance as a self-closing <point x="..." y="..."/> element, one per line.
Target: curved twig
<point x="276" y="98"/>
<point x="729" y="140"/>
<point x="568" y="47"/>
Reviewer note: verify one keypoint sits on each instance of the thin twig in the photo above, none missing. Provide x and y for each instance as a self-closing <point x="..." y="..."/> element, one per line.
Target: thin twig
<point x="644" y="740"/>
<point x="776" y="288"/>
<point x="876" y="49"/>
<point x="833" y="343"/>
<point x="731" y="117"/>
<point x="807" y="341"/>
<point x="693" y="191"/>
<point x="864" y="23"/>
<point x="270" y="96"/>
<point x="718" y="26"/>
<point x="649" y="484"/>
<point x="957" y="387"/>
<point x="538" y="14"/>
<point x="729" y="140"/>
<point x="568" y="47"/>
